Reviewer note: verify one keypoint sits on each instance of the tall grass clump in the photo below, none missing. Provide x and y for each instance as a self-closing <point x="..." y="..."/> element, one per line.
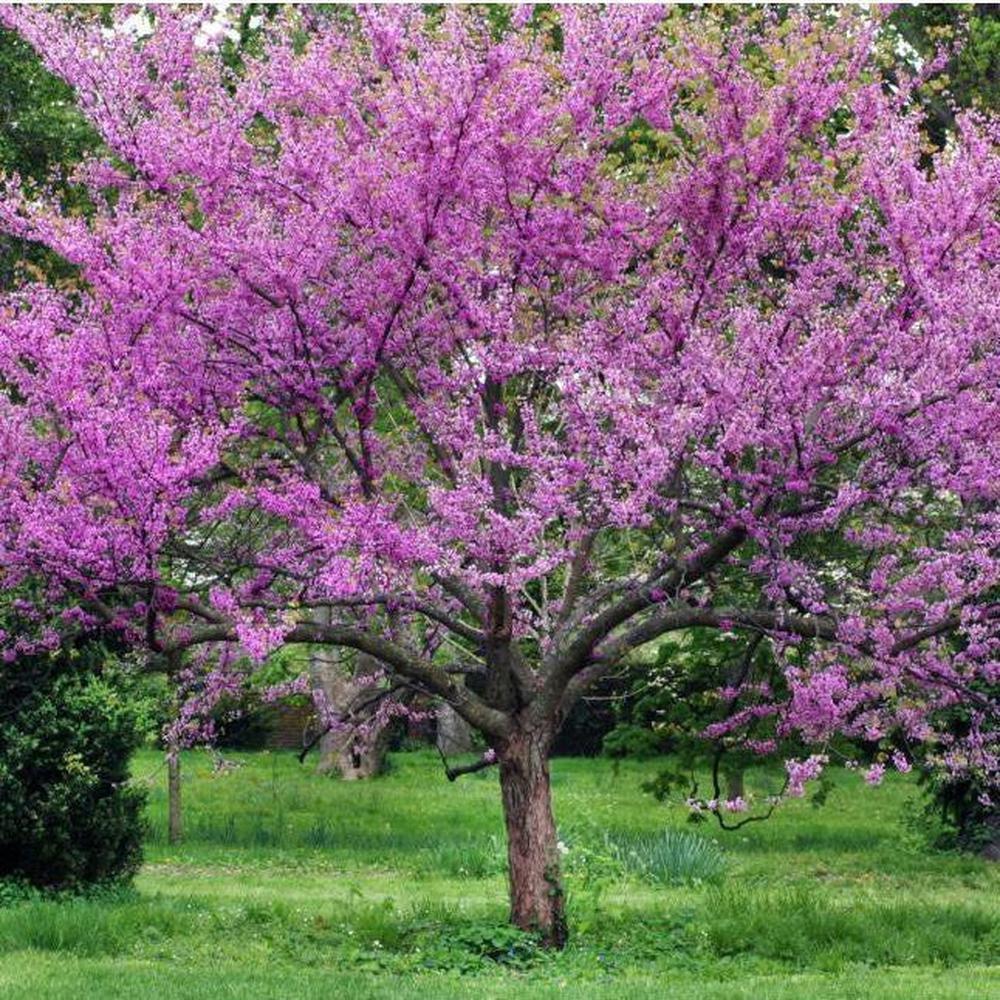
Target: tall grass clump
<point x="669" y="857"/>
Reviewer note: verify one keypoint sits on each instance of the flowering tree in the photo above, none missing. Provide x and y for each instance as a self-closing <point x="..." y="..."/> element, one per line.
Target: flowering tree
<point x="505" y="356"/>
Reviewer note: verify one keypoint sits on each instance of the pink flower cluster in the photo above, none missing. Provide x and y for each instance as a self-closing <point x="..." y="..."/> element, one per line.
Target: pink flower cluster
<point x="518" y="356"/>
<point x="801" y="771"/>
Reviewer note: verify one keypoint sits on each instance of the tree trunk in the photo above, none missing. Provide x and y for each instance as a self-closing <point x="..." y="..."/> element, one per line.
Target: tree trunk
<point x="537" y="899"/>
<point x="354" y="756"/>
<point x="734" y="785"/>
<point x="454" y="734"/>
<point x="358" y="750"/>
<point x="174" y="824"/>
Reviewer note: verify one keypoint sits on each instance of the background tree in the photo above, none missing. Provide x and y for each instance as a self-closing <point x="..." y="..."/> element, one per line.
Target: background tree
<point x="698" y="681"/>
<point x="42" y="137"/>
<point x="970" y="75"/>
<point x="399" y="321"/>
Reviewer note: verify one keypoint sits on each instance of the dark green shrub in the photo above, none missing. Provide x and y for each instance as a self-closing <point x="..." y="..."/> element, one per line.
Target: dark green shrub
<point x="959" y="815"/>
<point x="68" y="726"/>
<point x="961" y="811"/>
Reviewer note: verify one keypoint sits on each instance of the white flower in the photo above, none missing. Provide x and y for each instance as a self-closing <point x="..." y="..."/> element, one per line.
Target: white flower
<point x="561" y="847"/>
<point x="137" y="25"/>
<point x="255" y="22"/>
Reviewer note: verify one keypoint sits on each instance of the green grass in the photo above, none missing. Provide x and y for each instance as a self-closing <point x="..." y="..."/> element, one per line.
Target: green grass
<point x="291" y="885"/>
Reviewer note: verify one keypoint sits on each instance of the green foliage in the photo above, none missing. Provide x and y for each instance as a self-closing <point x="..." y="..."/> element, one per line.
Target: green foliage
<point x="970" y="33"/>
<point x="42" y="134"/>
<point x="68" y="816"/>
<point x="630" y="740"/>
<point x="475" y="946"/>
<point x="956" y="816"/>
<point x="14" y="891"/>
<point x="673" y="700"/>
<point x="42" y="137"/>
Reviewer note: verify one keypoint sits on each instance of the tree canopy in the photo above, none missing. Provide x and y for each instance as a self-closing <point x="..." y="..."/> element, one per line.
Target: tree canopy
<point x="506" y="353"/>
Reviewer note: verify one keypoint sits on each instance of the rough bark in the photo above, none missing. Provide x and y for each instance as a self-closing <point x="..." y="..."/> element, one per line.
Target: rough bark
<point x="175" y="829"/>
<point x="537" y="899"/>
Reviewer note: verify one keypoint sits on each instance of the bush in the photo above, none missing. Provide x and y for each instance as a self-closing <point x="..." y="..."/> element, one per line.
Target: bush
<point x="961" y="811"/>
<point x="959" y="815"/>
<point x="68" y="727"/>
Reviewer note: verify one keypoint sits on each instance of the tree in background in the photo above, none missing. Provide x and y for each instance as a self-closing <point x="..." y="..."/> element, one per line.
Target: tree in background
<point x="689" y="694"/>
<point x="42" y="137"/>
<point x="970" y="75"/>
<point x="510" y="353"/>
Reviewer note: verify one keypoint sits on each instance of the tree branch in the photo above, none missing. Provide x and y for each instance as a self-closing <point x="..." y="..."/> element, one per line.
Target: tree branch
<point x="577" y="654"/>
<point x="404" y="662"/>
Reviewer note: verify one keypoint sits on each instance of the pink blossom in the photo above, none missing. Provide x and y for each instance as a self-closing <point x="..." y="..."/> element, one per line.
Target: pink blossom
<point x="801" y="771"/>
<point x="387" y="346"/>
<point x="875" y="774"/>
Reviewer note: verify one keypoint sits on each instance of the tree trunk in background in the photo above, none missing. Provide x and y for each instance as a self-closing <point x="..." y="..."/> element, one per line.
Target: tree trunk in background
<point x="537" y="899"/>
<point x="359" y="749"/>
<point x="734" y="785"/>
<point x="175" y="829"/>
<point x="991" y="849"/>
<point x="454" y="734"/>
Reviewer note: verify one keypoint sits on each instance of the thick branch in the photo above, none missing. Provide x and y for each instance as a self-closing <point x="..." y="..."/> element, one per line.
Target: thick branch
<point x="577" y="572"/>
<point x="397" y="658"/>
<point x="453" y="773"/>
<point x="672" y="619"/>
<point x="577" y="653"/>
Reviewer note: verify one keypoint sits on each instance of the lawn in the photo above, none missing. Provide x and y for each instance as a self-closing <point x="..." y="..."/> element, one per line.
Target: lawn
<point x="291" y="885"/>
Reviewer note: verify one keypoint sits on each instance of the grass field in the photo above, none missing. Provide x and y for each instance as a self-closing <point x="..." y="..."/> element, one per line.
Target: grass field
<point x="291" y="885"/>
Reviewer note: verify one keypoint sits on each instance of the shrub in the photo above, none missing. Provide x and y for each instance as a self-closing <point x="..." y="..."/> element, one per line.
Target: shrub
<point x="961" y="810"/>
<point x="474" y="946"/>
<point x="959" y="815"/>
<point x="68" y="726"/>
